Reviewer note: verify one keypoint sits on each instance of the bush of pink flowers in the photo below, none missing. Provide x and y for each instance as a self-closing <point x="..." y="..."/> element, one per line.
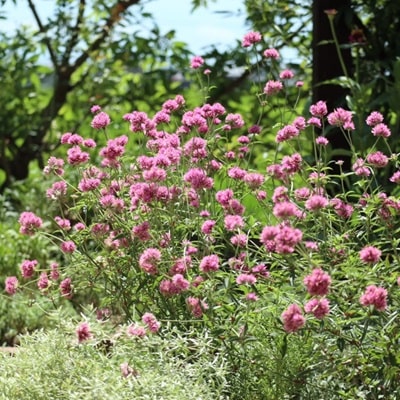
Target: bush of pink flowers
<point x="189" y="234"/>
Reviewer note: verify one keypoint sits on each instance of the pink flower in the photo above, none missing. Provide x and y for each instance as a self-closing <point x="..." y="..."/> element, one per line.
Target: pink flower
<point x="251" y="38"/>
<point x="251" y="297"/>
<point x="342" y="118"/>
<point x="272" y="87"/>
<point x="271" y="53"/>
<point x="381" y="130"/>
<point x="360" y="169"/>
<point x="28" y="268"/>
<point x="66" y="288"/>
<point x="54" y="273"/>
<point x="11" y="285"/>
<point x="149" y="259"/>
<point x="374" y="118"/>
<point x="43" y="282"/>
<point x="151" y="322"/>
<point x="57" y="190"/>
<point x="136" y="330"/>
<point x="83" y="332"/>
<point x="196" y="62"/>
<point x="319" y="109"/>
<point x="395" y="178"/>
<point x="318" y="282"/>
<point x="254" y="180"/>
<point x="100" y="120"/>
<point x="318" y="307"/>
<point x="286" y="133"/>
<point x="239" y="240"/>
<point x="322" y="141"/>
<point x="76" y="156"/>
<point x="29" y="223"/>
<point x="141" y="231"/>
<point x="54" y="165"/>
<point x="378" y="159"/>
<point x="196" y="306"/>
<point x="316" y="202"/>
<point x="376" y="296"/>
<point x="285" y="209"/>
<point x="233" y="222"/>
<point x="370" y="254"/>
<point x="209" y="263"/>
<point x="293" y="318"/>
<point x="95" y="109"/>
<point x="68" y="247"/>
<point x="246" y="279"/>
<point x="198" y="179"/>
<point x="286" y="74"/>
<point x="208" y="226"/>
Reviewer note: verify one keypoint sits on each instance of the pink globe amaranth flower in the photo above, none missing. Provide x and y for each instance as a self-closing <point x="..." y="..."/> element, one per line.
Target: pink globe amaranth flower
<point x="374" y="118"/>
<point x="254" y="180"/>
<point x="209" y="263"/>
<point x="66" y="288"/>
<point x="381" y="130"/>
<point x="316" y="202"/>
<point x="208" y="226"/>
<point x="95" y="109"/>
<point x="322" y="141"/>
<point x="55" y="166"/>
<point x="318" y="283"/>
<point x="136" y="330"/>
<point x="286" y="133"/>
<point x="251" y="38"/>
<point x="83" y="332"/>
<point x="341" y="118"/>
<point x="246" y="279"/>
<point x="285" y="209"/>
<point x="370" y="254"/>
<point x="68" y="247"/>
<point x="286" y="74"/>
<point x="318" y="307"/>
<point x="196" y="306"/>
<point x="271" y="53"/>
<point x="196" y="62"/>
<point x="76" y="156"/>
<point x="151" y="322"/>
<point x="28" y="268"/>
<point x="233" y="222"/>
<point x="198" y="179"/>
<point x="395" y="178"/>
<point x="11" y="285"/>
<point x="293" y="318"/>
<point x="360" y="169"/>
<point x="375" y="296"/>
<point x="43" y="282"/>
<point x="57" y="190"/>
<point x="378" y="159"/>
<point x="319" y="109"/>
<point x="239" y="240"/>
<point x="272" y="87"/>
<point x="251" y="297"/>
<point x="100" y="120"/>
<point x="149" y="259"/>
<point x="29" y="223"/>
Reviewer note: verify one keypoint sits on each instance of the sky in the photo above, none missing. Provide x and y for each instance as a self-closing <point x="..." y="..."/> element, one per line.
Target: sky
<point x="199" y="29"/>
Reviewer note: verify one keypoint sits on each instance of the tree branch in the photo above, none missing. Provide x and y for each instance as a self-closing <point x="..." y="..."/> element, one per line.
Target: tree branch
<point x="75" y="33"/>
<point x="43" y="31"/>
<point x="115" y="15"/>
